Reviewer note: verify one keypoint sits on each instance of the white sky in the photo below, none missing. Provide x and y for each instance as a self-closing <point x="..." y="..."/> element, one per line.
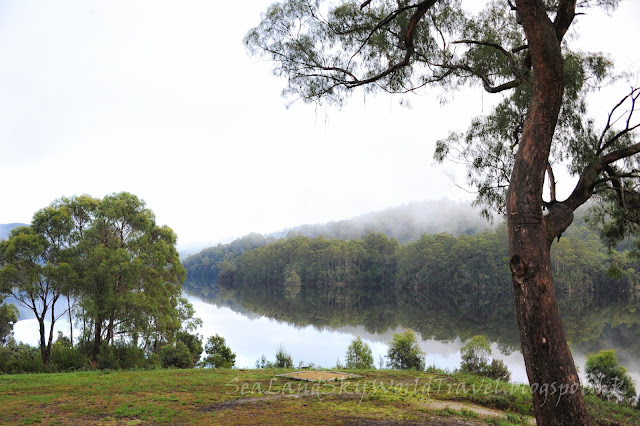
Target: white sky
<point x="159" y="98"/>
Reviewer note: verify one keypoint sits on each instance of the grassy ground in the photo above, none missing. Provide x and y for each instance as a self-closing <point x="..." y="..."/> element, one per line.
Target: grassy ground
<point x="259" y="397"/>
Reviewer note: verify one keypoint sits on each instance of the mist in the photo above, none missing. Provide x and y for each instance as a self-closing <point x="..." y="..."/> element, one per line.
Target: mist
<point x="406" y="223"/>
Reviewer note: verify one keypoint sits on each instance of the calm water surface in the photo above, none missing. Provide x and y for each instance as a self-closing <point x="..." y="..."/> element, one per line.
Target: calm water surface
<point x="317" y="330"/>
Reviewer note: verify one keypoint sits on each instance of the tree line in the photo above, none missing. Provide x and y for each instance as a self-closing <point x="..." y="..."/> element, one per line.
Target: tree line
<point x="107" y="266"/>
<point x="439" y="262"/>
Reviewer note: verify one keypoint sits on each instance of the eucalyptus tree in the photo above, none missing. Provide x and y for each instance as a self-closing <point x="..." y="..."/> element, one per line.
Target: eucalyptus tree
<point x="109" y="255"/>
<point x="34" y="268"/>
<point x="328" y="48"/>
<point x="131" y="274"/>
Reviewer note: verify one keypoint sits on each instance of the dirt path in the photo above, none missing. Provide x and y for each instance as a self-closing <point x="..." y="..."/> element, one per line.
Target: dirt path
<point x="459" y="406"/>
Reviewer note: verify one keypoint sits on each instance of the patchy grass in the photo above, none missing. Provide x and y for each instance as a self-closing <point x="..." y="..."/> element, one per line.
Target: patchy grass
<point x="258" y="396"/>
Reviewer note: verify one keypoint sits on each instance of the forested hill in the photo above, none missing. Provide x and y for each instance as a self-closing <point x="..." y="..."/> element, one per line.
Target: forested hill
<point x="439" y="260"/>
<point x="405" y="223"/>
<point x="5" y="229"/>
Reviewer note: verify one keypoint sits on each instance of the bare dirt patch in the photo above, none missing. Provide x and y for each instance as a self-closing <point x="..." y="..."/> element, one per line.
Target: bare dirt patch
<point x="459" y="406"/>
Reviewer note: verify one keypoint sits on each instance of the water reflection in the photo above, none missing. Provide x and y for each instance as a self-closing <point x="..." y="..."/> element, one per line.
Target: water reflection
<point x="316" y="324"/>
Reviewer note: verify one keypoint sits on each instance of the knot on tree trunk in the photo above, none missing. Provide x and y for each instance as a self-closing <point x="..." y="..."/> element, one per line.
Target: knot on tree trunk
<point x="522" y="272"/>
<point x="557" y="220"/>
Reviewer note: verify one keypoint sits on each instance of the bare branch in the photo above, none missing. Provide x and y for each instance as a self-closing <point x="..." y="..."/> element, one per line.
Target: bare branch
<point x="633" y="96"/>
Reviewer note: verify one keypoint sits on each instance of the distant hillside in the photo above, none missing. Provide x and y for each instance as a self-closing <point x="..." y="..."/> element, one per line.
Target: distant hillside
<point x="406" y="223"/>
<point x="5" y="229"/>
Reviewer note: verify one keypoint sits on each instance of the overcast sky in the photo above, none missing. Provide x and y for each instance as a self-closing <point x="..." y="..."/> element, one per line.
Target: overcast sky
<point x="159" y="98"/>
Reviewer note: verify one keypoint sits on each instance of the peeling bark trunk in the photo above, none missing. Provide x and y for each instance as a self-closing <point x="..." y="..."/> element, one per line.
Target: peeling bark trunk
<point x="557" y="395"/>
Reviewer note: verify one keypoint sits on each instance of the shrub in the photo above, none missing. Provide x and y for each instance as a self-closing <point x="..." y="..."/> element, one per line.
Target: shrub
<point x="177" y="356"/>
<point x="219" y="355"/>
<point x="404" y="352"/>
<point x="193" y="342"/>
<point x="20" y="358"/>
<point x="128" y="356"/>
<point x="359" y="355"/>
<point x="497" y="370"/>
<point x="609" y="379"/>
<point x="106" y="359"/>
<point x="283" y="360"/>
<point x="64" y="357"/>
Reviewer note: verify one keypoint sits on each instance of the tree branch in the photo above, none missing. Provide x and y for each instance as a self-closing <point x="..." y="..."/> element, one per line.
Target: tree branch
<point x="617" y="185"/>
<point x="633" y="96"/>
<point x="590" y="176"/>
<point x="413" y="22"/>
<point x="486" y="83"/>
<point x="564" y="17"/>
<point x="619" y="154"/>
<point x="552" y="183"/>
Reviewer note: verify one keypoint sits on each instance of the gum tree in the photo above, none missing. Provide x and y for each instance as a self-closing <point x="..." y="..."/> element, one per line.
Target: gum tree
<point x="326" y="49"/>
<point x="110" y="255"/>
<point x="34" y="269"/>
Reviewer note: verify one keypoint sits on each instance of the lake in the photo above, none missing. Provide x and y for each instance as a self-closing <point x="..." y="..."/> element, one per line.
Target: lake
<point x="316" y="325"/>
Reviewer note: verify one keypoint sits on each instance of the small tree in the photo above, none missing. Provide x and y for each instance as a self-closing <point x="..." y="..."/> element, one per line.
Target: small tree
<point x="283" y="358"/>
<point x="219" y="355"/>
<point x="404" y="352"/>
<point x="262" y="362"/>
<point x="359" y="355"/>
<point x="609" y="379"/>
<point x="475" y="355"/>
<point x="475" y="360"/>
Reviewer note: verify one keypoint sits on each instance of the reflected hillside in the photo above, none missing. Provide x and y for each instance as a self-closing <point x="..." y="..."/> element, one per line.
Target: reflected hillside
<point x="443" y="286"/>
<point x="591" y="322"/>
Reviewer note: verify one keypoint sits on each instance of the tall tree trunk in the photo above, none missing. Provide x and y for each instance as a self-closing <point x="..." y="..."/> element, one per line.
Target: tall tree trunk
<point x="97" y="341"/>
<point x="53" y="321"/>
<point x="556" y="391"/>
<point x="43" y="344"/>
<point x="70" y="319"/>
